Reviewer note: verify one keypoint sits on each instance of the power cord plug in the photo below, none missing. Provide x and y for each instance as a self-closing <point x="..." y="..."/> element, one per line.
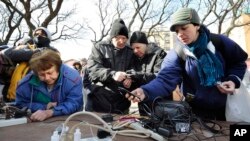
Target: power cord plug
<point x="108" y="118"/>
<point x="165" y="131"/>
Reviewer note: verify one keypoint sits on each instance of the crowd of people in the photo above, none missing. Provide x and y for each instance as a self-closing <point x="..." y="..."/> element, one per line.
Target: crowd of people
<point x="201" y="66"/>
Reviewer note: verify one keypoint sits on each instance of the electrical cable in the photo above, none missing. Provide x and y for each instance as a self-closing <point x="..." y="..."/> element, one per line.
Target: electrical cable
<point x="132" y="133"/>
<point x="117" y="128"/>
<point x="64" y="134"/>
<point x="11" y="107"/>
<point x="120" y="127"/>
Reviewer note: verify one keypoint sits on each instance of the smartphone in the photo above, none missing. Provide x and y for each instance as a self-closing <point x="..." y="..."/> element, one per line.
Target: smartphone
<point x="123" y="90"/>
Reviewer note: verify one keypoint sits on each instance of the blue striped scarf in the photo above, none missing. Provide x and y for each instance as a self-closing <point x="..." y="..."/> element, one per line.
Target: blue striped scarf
<point x="209" y="67"/>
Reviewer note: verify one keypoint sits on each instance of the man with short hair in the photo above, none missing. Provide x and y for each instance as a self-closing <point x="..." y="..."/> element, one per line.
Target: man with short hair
<point x="107" y="67"/>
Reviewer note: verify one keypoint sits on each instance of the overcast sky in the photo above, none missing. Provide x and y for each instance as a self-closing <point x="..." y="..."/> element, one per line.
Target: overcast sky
<point x="82" y="48"/>
<point x="78" y="49"/>
<point x="73" y="50"/>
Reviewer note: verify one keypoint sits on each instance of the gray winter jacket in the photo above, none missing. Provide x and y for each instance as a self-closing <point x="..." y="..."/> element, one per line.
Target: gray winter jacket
<point x="145" y="69"/>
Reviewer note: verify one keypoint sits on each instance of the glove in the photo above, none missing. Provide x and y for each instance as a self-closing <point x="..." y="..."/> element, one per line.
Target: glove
<point x="119" y="76"/>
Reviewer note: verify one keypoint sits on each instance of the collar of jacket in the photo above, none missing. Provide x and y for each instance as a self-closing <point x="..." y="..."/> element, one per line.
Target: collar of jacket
<point x="36" y="81"/>
<point x="210" y="46"/>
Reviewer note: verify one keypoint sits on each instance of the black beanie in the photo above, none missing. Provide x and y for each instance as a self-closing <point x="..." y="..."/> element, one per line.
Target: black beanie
<point x="118" y="28"/>
<point x="138" y="37"/>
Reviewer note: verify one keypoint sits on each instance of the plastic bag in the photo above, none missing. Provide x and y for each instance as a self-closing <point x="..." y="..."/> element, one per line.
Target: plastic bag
<point x="238" y="104"/>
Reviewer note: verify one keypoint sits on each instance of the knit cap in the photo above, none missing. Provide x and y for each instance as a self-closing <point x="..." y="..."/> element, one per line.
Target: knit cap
<point x="118" y="28"/>
<point x="45" y="30"/>
<point x="184" y="16"/>
<point x="138" y="37"/>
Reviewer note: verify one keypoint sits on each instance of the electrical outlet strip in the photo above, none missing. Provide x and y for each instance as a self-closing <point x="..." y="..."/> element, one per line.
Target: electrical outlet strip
<point x="13" y="121"/>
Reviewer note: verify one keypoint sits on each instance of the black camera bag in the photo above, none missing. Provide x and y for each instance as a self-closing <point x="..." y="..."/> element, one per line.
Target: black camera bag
<point x="178" y="114"/>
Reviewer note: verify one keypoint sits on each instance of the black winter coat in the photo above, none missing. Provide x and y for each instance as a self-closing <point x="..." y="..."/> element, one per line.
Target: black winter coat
<point x="105" y="60"/>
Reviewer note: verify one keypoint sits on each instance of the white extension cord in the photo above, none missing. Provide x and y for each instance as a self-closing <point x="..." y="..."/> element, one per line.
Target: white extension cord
<point x="138" y="126"/>
<point x="138" y="130"/>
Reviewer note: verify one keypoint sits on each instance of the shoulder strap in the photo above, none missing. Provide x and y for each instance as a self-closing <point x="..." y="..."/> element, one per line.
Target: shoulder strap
<point x="179" y="49"/>
<point x="218" y="44"/>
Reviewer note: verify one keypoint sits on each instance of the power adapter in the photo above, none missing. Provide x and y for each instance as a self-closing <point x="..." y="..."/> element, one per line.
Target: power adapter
<point x="101" y="134"/>
<point x="165" y="131"/>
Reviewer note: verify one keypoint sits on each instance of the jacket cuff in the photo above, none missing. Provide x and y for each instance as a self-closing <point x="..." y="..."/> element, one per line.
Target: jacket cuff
<point x="235" y="79"/>
<point x="57" y="112"/>
<point x="146" y="96"/>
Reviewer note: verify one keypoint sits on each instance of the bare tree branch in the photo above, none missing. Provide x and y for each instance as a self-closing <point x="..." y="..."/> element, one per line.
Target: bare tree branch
<point x="36" y="13"/>
<point x="150" y="16"/>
